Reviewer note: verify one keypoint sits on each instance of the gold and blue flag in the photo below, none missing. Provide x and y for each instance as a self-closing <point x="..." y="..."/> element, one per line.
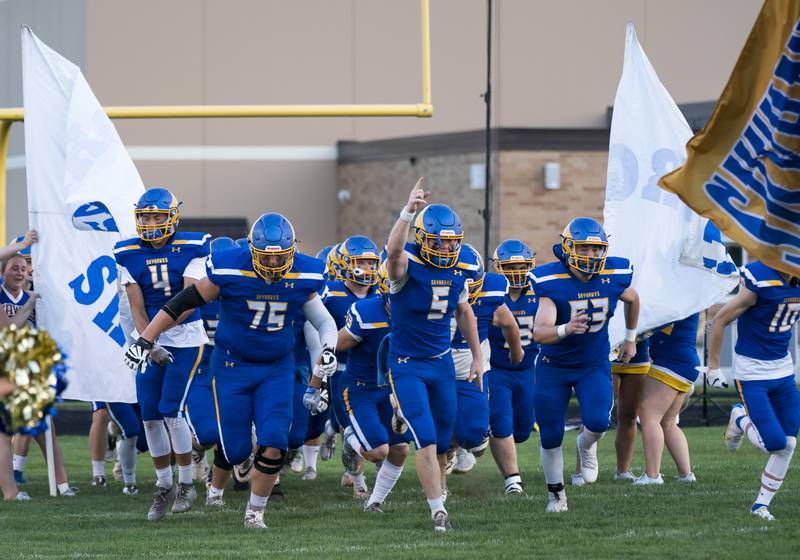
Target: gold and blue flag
<point x="743" y="169"/>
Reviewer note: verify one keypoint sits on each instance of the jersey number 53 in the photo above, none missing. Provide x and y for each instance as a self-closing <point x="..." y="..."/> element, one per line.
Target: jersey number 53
<point x="598" y="315"/>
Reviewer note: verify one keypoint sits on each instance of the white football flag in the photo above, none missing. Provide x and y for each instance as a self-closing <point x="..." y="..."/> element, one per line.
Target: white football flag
<point x="82" y="186"/>
<point x="680" y="264"/>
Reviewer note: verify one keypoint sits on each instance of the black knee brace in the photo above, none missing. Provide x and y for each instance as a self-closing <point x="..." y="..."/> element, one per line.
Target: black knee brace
<point x="220" y="461"/>
<point x="266" y="465"/>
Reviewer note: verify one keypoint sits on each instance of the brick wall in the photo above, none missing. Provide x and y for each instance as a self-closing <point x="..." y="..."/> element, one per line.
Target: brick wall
<point x="523" y="207"/>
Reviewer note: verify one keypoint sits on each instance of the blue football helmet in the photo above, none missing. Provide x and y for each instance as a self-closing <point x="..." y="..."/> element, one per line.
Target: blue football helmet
<point x="436" y="225"/>
<point x="323" y="256"/>
<point x="508" y="255"/>
<point x="162" y="203"/>
<point x="333" y="264"/>
<point x="222" y="244"/>
<point x="382" y="279"/>
<point x="584" y="232"/>
<point x="272" y="246"/>
<point x="475" y="280"/>
<point x="357" y="253"/>
<point x="26" y="252"/>
<point x="243" y="242"/>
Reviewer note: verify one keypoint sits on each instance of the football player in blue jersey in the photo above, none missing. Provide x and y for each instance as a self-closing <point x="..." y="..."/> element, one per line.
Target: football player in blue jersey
<point x="358" y="262"/>
<point x="671" y="376"/>
<point x="155" y="266"/>
<point x="629" y="381"/>
<point x="128" y="420"/>
<point x="427" y="288"/>
<point x="199" y="407"/>
<point x="511" y="382"/>
<point x="487" y="293"/>
<point x="767" y="306"/>
<point x="577" y="296"/>
<point x="261" y="291"/>
<point x="366" y="397"/>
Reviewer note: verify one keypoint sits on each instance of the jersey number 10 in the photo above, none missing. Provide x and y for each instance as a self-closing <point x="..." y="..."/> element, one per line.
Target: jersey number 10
<point x="785" y="317"/>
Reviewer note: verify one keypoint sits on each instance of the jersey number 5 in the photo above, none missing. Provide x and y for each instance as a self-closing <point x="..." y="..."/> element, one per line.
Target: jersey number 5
<point x="275" y="310"/>
<point x="438" y="302"/>
<point x="599" y="314"/>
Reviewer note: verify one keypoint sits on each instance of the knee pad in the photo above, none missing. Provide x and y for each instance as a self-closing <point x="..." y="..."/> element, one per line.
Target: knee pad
<point x="180" y="434"/>
<point x="266" y="465"/>
<point x="157" y="438"/>
<point x="220" y="461"/>
<point x="788" y="449"/>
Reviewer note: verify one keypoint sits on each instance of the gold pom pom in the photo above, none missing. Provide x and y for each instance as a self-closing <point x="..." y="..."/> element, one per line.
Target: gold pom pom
<point x="27" y="358"/>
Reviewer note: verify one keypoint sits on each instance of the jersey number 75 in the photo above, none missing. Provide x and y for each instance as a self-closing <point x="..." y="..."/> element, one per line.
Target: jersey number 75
<point x="274" y="310"/>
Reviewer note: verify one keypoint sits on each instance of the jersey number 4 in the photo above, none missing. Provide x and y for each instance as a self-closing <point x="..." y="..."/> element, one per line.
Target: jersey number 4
<point x="159" y="276"/>
<point x="599" y="314"/>
<point x="785" y="317"/>
<point x="274" y="310"/>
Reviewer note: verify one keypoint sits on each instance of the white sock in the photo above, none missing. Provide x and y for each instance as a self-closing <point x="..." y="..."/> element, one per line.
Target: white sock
<point x="19" y="462"/>
<point x="185" y="474"/>
<point x="512" y="479"/>
<point x="310" y="454"/>
<point x="258" y="502"/>
<point x="587" y="439"/>
<point x="157" y="438"/>
<point x="552" y="464"/>
<point x="775" y="472"/>
<point x="436" y="505"/>
<point x="98" y="468"/>
<point x="127" y="459"/>
<point x="355" y="444"/>
<point x="164" y="477"/>
<point x="180" y="434"/>
<point x="63" y="487"/>
<point x="385" y="480"/>
<point x="750" y="430"/>
<point x="215" y="492"/>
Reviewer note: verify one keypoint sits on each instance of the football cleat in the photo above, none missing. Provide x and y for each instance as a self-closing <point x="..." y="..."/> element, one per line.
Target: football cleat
<point x="200" y="466"/>
<point x="688" y="479"/>
<point x="513" y="488"/>
<point x="215" y="501"/>
<point x="556" y="498"/>
<point x="441" y="522"/>
<point x="328" y="447"/>
<point x="360" y="489"/>
<point x="645" y="480"/>
<point x="160" y="503"/>
<point x="451" y="462"/>
<point x="733" y="435"/>
<point x="23" y="497"/>
<point x="760" y="510"/>
<point x="577" y="479"/>
<point x="310" y="474"/>
<point x="465" y="461"/>
<point x="350" y="458"/>
<point x="346" y="480"/>
<point x="184" y="498"/>
<point x="374" y="507"/>
<point x="254" y="518"/>
<point x="244" y="470"/>
<point x="277" y="495"/>
<point x="130" y="490"/>
<point x="627" y="476"/>
<point x="588" y="459"/>
<point x="296" y="464"/>
<point x="99" y="480"/>
<point x="70" y="492"/>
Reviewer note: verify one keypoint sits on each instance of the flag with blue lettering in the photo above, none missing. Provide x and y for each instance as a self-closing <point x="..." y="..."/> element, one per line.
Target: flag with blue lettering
<point x="82" y="186"/>
<point x="680" y="264"/>
<point x="743" y="168"/>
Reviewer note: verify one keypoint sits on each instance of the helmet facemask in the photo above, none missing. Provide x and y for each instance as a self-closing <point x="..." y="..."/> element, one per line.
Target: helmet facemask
<point x="357" y="269"/>
<point x="159" y="230"/>
<point x="516" y="275"/>
<point x="431" y="247"/>
<point x="272" y="272"/>
<point x="589" y="264"/>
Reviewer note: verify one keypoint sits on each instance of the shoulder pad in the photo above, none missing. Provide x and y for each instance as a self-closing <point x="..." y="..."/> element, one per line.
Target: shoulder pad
<point x="127" y="245"/>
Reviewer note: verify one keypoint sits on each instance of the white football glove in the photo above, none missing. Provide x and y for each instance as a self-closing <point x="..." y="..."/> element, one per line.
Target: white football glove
<point x="327" y="365"/>
<point x="312" y="399"/>
<point x="714" y="377"/>
<point x="137" y="353"/>
<point x="398" y="424"/>
<point x="160" y="355"/>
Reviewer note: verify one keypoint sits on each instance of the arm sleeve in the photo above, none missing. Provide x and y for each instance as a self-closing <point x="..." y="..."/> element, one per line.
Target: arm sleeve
<point x="312" y="341"/>
<point x="196" y="268"/>
<point x="463" y="297"/>
<point x="318" y="315"/>
<point x="125" y="276"/>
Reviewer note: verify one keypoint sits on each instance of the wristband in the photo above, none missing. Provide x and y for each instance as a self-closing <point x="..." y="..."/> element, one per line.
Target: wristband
<point x="561" y="331"/>
<point x="407" y="216"/>
<point x="630" y="335"/>
<point x="316" y="372"/>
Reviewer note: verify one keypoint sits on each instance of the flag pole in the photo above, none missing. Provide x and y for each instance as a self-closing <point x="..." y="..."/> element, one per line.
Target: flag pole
<point x="50" y="455"/>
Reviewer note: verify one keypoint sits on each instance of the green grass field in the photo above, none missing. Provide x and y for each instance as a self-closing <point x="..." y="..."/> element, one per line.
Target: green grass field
<point x="320" y="520"/>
